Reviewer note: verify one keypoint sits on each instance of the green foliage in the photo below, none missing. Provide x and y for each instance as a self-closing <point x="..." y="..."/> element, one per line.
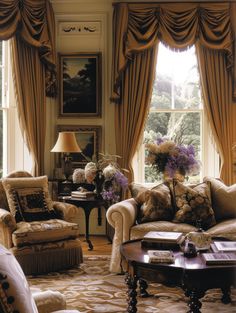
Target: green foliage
<point x="181" y="127"/>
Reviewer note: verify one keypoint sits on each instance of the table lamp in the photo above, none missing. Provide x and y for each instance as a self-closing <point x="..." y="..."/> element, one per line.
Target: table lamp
<point x="66" y="144"/>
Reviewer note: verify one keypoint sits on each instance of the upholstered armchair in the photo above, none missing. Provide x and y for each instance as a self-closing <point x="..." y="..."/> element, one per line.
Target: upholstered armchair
<point x="16" y="295"/>
<point x="38" y="231"/>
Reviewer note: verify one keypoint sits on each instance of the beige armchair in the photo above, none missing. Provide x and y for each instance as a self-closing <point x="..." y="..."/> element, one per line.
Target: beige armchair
<point x="40" y="245"/>
<point x="16" y="295"/>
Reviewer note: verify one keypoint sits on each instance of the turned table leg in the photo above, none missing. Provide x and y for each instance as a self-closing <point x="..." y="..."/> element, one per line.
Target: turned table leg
<point x="226" y="298"/>
<point x="143" y="288"/>
<point x="132" y="293"/>
<point x="194" y="303"/>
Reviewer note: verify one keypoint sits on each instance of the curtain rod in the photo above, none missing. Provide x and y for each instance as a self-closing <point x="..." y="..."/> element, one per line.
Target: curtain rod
<point x="174" y="2"/>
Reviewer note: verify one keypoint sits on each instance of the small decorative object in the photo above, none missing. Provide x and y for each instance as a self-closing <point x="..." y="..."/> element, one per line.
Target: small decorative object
<point x="171" y="159"/>
<point x="190" y="250"/>
<point x="200" y="238"/>
<point x="107" y="177"/>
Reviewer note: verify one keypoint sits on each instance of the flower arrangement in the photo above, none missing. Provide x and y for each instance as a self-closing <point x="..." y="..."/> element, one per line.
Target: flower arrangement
<point x="107" y="177"/>
<point x="168" y="157"/>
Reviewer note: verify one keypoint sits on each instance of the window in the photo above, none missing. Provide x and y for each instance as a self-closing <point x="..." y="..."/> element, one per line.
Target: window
<point x="176" y="112"/>
<point x="13" y="152"/>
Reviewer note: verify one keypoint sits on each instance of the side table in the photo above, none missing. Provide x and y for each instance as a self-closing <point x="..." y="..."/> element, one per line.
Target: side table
<point x="87" y="205"/>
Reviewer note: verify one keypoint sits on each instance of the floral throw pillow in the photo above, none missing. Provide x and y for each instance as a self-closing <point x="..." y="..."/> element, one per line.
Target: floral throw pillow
<point x="193" y="204"/>
<point x="154" y="205"/>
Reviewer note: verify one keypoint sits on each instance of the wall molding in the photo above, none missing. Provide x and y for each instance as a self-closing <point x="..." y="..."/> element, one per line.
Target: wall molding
<point x="79" y="28"/>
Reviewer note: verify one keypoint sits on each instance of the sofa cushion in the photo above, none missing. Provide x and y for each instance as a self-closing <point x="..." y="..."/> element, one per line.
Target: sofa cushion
<point x="138" y="231"/>
<point x="44" y="231"/>
<point x="223" y="198"/>
<point x="28" y="198"/>
<point x="154" y="204"/>
<point x="193" y="204"/>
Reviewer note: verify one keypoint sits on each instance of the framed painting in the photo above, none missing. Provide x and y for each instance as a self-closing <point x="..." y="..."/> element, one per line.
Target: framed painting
<point x="89" y="140"/>
<point x="80" y="87"/>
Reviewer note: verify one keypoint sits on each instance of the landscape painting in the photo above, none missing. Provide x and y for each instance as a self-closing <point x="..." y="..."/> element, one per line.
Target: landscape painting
<point x="80" y="85"/>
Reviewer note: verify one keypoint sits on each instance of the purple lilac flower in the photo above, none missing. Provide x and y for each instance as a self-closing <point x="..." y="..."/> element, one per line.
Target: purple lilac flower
<point x="159" y="141"/>
<point x="184" y="161"/>
<point x="110" y="195"/>
<point x="121" y="180"/>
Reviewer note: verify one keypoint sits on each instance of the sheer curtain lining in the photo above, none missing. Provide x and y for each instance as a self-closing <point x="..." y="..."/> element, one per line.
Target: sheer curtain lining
<point x="137" y="28"/>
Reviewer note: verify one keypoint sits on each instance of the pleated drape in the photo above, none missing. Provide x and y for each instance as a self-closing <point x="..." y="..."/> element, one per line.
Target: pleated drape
<point x="29" y="78"/>
<point x="217" y="91"/>
<point x="30" y="25"/>
<point x="131" y="115"/>
<point x="139" y="26"/>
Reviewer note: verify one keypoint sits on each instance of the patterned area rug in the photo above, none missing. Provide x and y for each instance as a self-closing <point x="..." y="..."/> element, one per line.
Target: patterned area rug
<point x="92" y="288"/>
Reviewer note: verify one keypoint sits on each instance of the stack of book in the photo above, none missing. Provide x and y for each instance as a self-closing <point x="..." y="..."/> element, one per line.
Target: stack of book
<point x="160" y="256"/>
<point x="219" y="258"/>
<point x="162" y="240"/>
<point x="223" y="246"/>
<point x="83" y="194"/>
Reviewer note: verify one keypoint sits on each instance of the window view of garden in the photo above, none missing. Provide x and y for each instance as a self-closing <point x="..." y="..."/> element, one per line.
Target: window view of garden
<point x="176" y="109"/>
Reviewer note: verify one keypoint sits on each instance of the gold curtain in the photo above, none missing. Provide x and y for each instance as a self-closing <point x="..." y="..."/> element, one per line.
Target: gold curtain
<point x="131" y="115"/>
<point x="139" y="26"/>
<point x="29" y="80"/>
<point x="31" y="25"/>
<point x="217" y="91"/>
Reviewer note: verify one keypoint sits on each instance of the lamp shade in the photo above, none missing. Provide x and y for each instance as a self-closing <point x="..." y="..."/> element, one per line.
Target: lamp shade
<point x="66" y="142"/>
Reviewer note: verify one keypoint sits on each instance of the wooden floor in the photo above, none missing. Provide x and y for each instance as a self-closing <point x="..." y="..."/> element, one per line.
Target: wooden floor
<point x="101" y="245"/>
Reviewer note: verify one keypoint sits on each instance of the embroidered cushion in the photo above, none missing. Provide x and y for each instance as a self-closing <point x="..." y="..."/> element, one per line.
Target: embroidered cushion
<point x="193" y="204"/>
<point x="154" y="204"/>
<point x="28" y="198"/>
<point x="136" y="188"/>
<point x="223" y="198"/>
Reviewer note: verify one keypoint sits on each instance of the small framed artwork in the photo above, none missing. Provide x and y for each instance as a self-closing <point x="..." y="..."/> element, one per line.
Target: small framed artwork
<point x="89" y="141"/>
<point x="80" y="87"/>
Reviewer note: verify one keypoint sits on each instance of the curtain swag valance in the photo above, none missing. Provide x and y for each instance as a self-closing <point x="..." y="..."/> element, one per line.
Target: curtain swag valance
<point x="33" y="22"/>
<point x="139" y="26"/>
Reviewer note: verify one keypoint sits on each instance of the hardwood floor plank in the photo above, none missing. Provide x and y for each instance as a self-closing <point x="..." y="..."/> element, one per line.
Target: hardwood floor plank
<point x="101" y="245"/>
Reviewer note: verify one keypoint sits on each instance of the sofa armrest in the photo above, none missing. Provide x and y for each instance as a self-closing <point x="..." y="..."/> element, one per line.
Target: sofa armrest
<point x="122" y="217"/>
<point x="7" y="226"/>
<point x="66" y="211"/>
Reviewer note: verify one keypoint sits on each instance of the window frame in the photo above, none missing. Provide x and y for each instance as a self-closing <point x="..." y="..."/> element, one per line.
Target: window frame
<point x="15" y="152"/>
<point x="208" y="154"/>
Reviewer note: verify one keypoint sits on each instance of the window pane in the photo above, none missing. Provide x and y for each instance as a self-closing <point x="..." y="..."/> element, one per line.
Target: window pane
<point x="1" y="143"/>
<point x="1" y="69"/>
<point x="176" y="84"/>
<point x="183" y="128"/>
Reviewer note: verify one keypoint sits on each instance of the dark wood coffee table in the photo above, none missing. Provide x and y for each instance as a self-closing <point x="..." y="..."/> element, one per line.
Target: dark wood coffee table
<point x="191" y="274"/>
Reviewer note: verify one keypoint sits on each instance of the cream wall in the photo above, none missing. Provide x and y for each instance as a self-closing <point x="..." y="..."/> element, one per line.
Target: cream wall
<point x="84" y="12"/>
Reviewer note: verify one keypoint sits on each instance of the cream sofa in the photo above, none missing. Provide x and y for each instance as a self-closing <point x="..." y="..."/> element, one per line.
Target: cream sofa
<point x="122" y="217"/>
